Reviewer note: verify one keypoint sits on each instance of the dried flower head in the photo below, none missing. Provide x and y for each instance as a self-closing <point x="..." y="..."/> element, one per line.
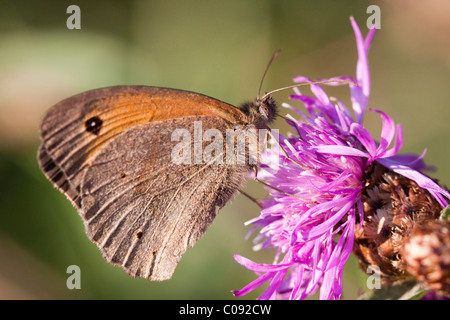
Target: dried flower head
<point x="393" y="206"/>
<point x="427" y="255"/>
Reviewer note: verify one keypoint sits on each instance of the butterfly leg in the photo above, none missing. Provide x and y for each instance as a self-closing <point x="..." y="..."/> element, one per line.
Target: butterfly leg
<point x="251" y="198"/>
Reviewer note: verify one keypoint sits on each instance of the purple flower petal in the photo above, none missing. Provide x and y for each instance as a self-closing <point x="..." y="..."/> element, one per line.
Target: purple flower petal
<point x="253" y="285"/>
<point x="259" y="267"/>
<point x="341" y="150"/>
<point x="387" y="131"/>
<point x="316" y="231"/>
<point x="360" y="93"/>
<point x="364" y="137"/>
<point x="397" y="144"/>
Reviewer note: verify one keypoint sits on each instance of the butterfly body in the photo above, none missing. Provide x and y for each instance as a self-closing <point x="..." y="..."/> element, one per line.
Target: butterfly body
<point x="111" y="152"/>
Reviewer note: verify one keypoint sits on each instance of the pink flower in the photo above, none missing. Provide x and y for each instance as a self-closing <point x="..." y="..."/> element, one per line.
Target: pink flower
<point x="310" y="217"/>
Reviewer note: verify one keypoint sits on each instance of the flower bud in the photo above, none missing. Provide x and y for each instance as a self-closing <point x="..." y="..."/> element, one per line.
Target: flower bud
<point x="427" y="255"/>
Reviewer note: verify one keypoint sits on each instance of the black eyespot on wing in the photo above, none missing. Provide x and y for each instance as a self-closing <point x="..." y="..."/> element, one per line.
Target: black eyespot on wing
<point x="122" y="175"/>
<point x="93" y="125"/>
<point x="138" y="234"/>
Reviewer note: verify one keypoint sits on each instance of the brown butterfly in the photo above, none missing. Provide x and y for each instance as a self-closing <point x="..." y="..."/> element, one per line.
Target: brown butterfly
<point x="110" y="151"/>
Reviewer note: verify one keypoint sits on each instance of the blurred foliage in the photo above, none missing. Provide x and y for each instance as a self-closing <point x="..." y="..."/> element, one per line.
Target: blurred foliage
<point x="219" y="48"/>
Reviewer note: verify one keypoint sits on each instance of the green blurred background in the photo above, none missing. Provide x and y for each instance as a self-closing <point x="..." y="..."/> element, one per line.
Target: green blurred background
<point x="218" y="48"/>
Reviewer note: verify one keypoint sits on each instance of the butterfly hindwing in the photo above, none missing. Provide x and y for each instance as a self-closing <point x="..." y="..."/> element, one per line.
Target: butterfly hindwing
<point x="144" y="210"/>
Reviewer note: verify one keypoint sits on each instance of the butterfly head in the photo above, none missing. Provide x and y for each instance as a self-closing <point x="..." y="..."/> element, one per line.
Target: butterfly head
<point x="260" y="112"/>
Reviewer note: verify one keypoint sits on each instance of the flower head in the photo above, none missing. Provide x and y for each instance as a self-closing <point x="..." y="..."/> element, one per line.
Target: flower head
<point x="316" y="195"/>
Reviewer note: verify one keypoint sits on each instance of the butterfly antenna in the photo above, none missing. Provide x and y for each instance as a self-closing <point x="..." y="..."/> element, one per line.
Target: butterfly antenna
<point x="251" y="198"/>
<point x="265" y="72"/>
<point x="328" y="81"/>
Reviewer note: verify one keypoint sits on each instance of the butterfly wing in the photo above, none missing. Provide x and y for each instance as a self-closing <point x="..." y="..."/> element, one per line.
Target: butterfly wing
<point x="59" y="179"/>
<point x="76" y="129"/>
<point x="141" y="208"/>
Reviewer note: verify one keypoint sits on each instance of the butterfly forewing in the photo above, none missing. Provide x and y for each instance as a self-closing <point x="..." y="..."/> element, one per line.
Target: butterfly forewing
<point x="75" y="130"/>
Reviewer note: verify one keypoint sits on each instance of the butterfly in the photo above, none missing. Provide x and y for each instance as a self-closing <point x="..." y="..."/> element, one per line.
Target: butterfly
<point x="144" y="193"/>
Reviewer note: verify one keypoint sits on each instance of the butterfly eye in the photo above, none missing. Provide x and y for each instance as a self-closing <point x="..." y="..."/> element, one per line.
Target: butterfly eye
<point x="263" y="112"/>
<point x="93" y="125"/>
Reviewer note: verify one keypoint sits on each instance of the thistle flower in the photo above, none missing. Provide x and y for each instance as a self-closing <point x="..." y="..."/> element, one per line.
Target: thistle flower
<point x="316" y="201"/>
